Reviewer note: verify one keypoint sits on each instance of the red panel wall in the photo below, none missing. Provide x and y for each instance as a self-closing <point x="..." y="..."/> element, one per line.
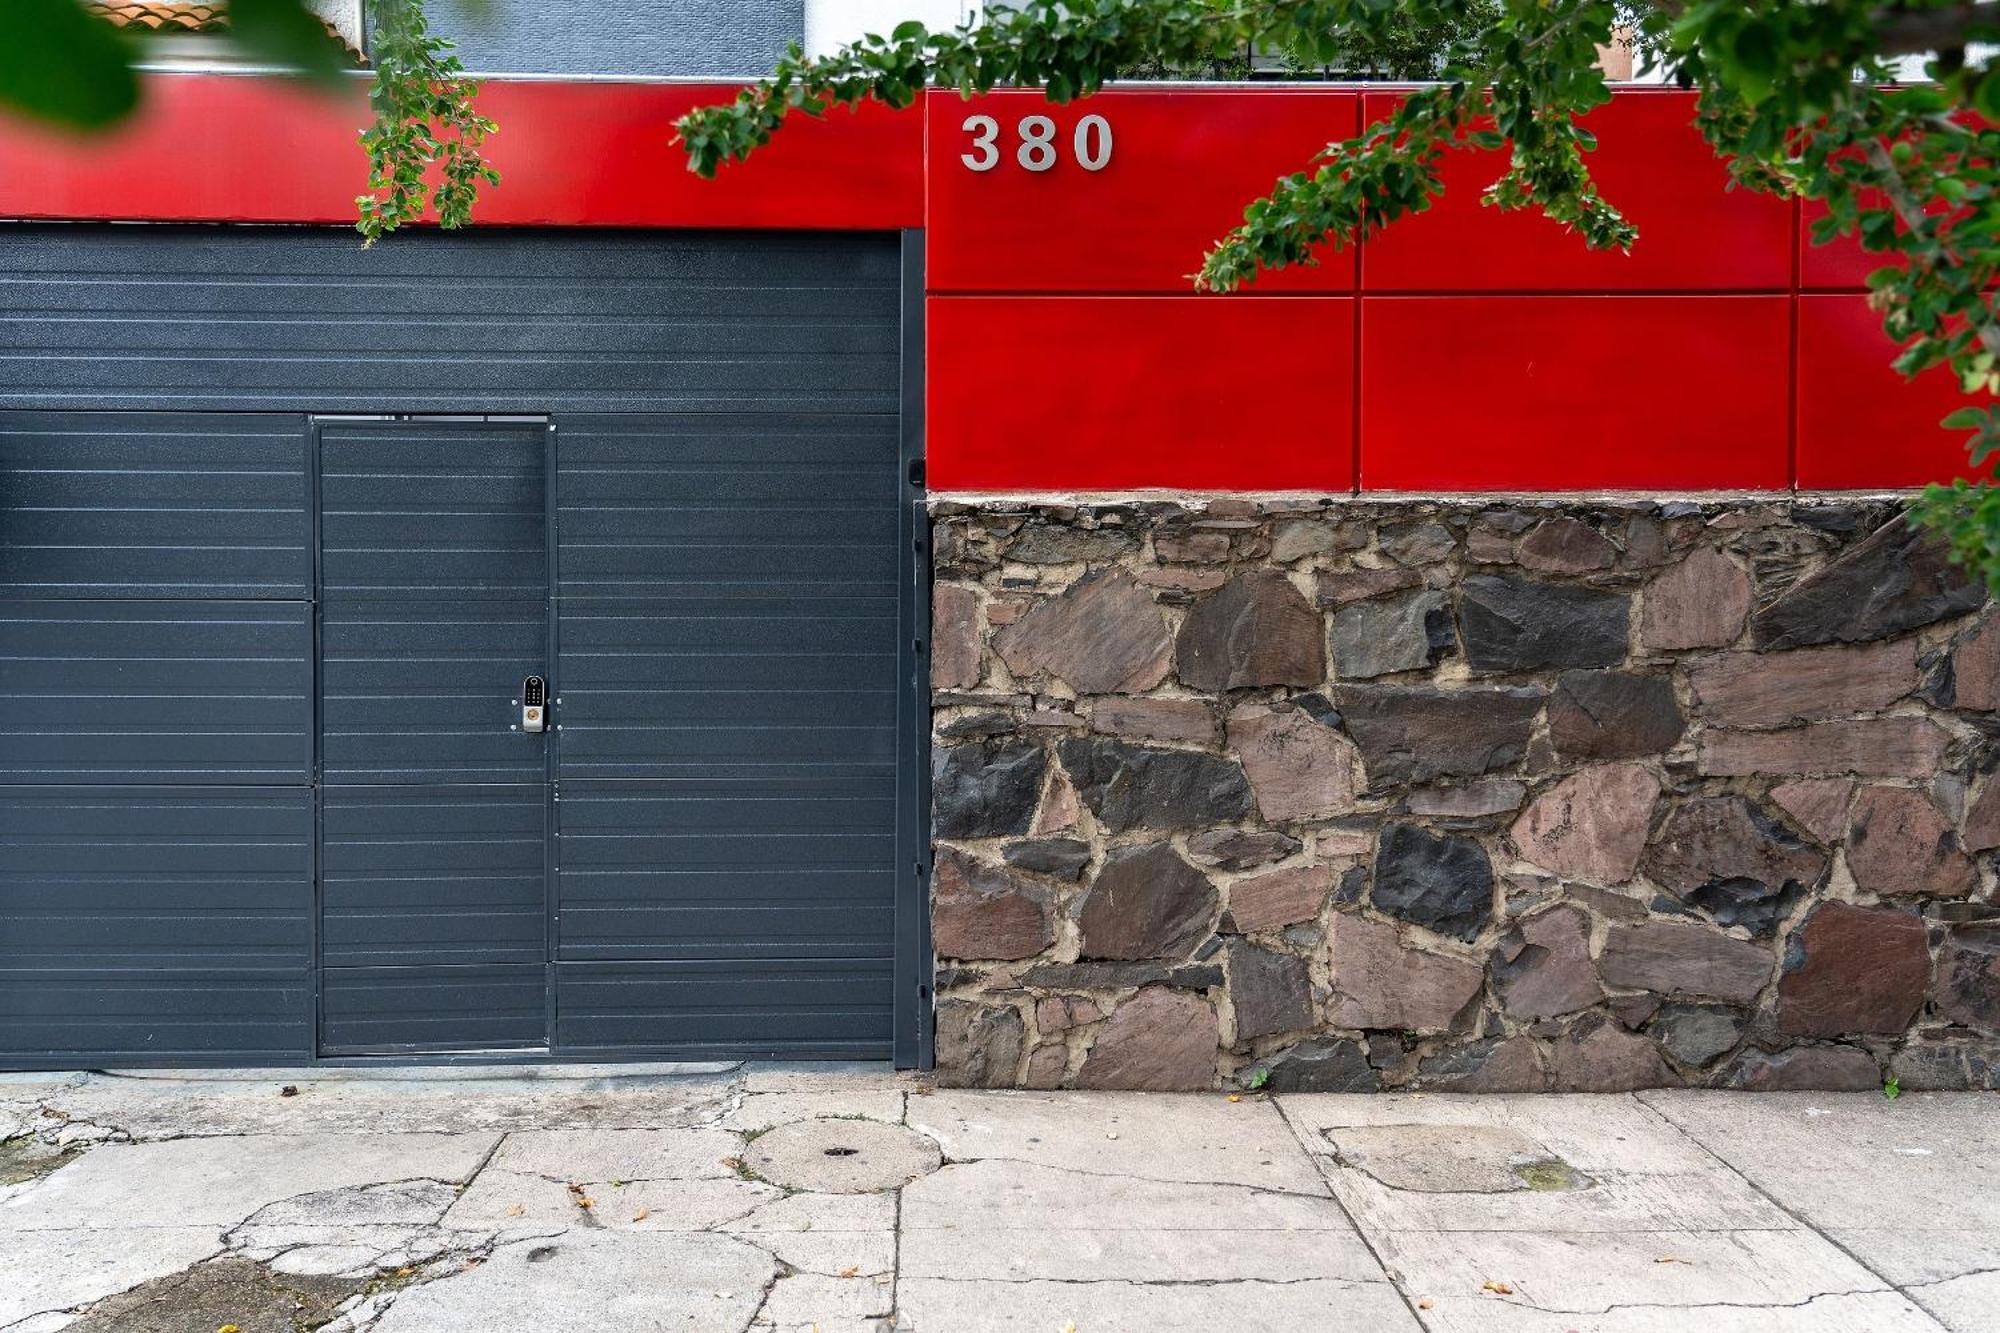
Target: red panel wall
<point x="1108" y="393"/>
<point x="222" y="148"/>
<point x="1182" y="165"/>
<point x="1465" y="349"/>
<point x="1573" y="392"/>
<point x="1695" y="235"/>
<point x="1860" y="423"/>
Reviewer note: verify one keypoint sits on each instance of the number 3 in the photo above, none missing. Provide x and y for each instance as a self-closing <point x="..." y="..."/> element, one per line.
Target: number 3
<point x="985" y="132"/>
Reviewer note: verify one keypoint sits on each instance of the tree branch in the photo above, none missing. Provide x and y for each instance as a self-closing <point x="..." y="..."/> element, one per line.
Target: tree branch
<point x="1911" y="211"/>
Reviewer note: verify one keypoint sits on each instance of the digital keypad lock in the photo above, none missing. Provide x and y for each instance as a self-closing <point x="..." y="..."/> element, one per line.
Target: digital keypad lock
<point x="534" y="704"/>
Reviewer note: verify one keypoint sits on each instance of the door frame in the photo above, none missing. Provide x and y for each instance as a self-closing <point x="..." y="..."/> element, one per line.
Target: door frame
<point x="525" y="1055"/>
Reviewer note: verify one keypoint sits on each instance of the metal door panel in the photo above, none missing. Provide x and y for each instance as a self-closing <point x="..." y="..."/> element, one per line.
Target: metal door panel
<point x="433" y="875"/>
<point x="155" y="924"/>
<point x="153" y="504"/>
<point x="728" y="762"/>
<point x="483" y="320"/>
<point x="433" y="1010"/>
<point x="175" y="690"/>
<point x="830" y="1009"/>
<point x="427" y="691"/>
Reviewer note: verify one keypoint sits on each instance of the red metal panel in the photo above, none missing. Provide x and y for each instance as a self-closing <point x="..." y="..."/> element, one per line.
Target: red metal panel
<point x="1183" y="164"/>
<point x="1567" y="393"/>
<point x="221" y="148"/>
<point x="1839" y="264"/>
<point x="1110" y="393"/>
<point x="1862" y="425"/>
<point x="1695" y="235"/>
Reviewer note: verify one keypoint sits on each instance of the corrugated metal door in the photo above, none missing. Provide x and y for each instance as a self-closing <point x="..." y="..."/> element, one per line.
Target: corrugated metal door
<point x="258" y="797"/>
<point x="156" y="806"/>
<point x="728" y="756"/>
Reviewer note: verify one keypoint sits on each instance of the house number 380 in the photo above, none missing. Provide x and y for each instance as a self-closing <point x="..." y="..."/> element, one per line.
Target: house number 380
<point x="1090" y="143"/>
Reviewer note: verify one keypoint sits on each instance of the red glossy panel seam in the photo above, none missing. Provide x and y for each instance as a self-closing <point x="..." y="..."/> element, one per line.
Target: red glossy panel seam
<point x="1117" y="393"/>
<point x="1565" y="393"/>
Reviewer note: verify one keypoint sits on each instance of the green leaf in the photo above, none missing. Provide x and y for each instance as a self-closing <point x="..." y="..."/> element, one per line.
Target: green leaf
<point x="1966" y="418"/>
<point x="1986" y="97"/>
<point x="60" y="65"/>
<point x="907" y="31"/>
<point x="287" y="34"/>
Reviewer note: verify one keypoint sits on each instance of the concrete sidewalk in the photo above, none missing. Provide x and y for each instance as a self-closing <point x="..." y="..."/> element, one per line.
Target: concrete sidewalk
<point x="845" y="1199"/>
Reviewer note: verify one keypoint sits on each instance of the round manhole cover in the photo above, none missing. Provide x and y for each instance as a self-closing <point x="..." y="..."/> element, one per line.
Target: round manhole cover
<point x="842" y="1156"/>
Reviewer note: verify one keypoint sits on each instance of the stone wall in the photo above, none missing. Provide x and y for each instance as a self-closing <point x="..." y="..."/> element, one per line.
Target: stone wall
<point x="1473" y="796"/>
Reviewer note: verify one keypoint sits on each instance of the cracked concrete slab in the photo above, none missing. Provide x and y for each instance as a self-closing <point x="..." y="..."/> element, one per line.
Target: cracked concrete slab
<point x="1870" y="1170"/>
<point x="160" y="1106"/>
<point x="620" y="1154"/>
<point x="1765" y="1212"/>
<point x="1591" y="1273"/>
<point x="1320" y="1305"/>
<point x="60" y="1269"/>
<point x="1452" y="1159"/>
<point x="809" y="1301"/>
<point x="1910" y="1187"/>
<point x="633" y="1281"/>
<point x="1196" y="1138"/>
<point x="1641" y="1174"/>
<point x="221" y="1293"/>
<point x="760" y="1111"/>
<point x="1008" y="1221"/>
<point x="1866" y="1312"/>
<point x="1969" y="1303"/>
<point x="221" y="1182"/>
<point x="825" y="1233"/>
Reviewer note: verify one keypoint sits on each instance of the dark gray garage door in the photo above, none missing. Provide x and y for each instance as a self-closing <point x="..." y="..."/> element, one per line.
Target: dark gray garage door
<point x="283" y="527"/>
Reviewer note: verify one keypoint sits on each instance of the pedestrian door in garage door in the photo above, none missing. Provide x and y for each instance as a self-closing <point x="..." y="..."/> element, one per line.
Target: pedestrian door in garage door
<point x="434" y="613"/>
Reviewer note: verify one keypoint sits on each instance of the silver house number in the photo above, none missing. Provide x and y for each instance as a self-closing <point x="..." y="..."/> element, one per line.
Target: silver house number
<point x="1035" y="147"/>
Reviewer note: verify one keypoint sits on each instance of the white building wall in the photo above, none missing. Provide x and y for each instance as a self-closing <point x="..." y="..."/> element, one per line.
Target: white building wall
<point x="831" y="24"/>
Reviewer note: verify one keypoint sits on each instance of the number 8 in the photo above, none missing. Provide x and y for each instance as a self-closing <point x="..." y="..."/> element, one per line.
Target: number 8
<point x="1038" y="150"/>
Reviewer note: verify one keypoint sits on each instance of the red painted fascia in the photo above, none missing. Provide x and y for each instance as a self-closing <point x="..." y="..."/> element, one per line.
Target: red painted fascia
<point x="241" y="148"/>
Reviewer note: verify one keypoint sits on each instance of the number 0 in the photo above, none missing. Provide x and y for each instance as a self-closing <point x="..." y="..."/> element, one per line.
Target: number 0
<point x="1089" y="129"/>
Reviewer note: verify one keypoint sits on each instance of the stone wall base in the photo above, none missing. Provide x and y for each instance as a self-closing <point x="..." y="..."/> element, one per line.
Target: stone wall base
<point x="1477" y="796"/>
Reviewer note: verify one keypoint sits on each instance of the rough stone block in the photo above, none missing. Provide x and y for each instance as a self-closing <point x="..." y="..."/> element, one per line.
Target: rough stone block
<point x="1103" y="634"/>
<point x="982" y="912"/>
<point x="1442" y="882"/>
<point x="1853" y="970"/>
<point x="1379" y="982"/>
<point x="1145" y="903"/>
<point x="1670" y="958"/>
<point x="1160" y="1040"/>
<point x="1517" y="624"/>
<point x="1255" y="630"/>
<point x="1298" y="767"/>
